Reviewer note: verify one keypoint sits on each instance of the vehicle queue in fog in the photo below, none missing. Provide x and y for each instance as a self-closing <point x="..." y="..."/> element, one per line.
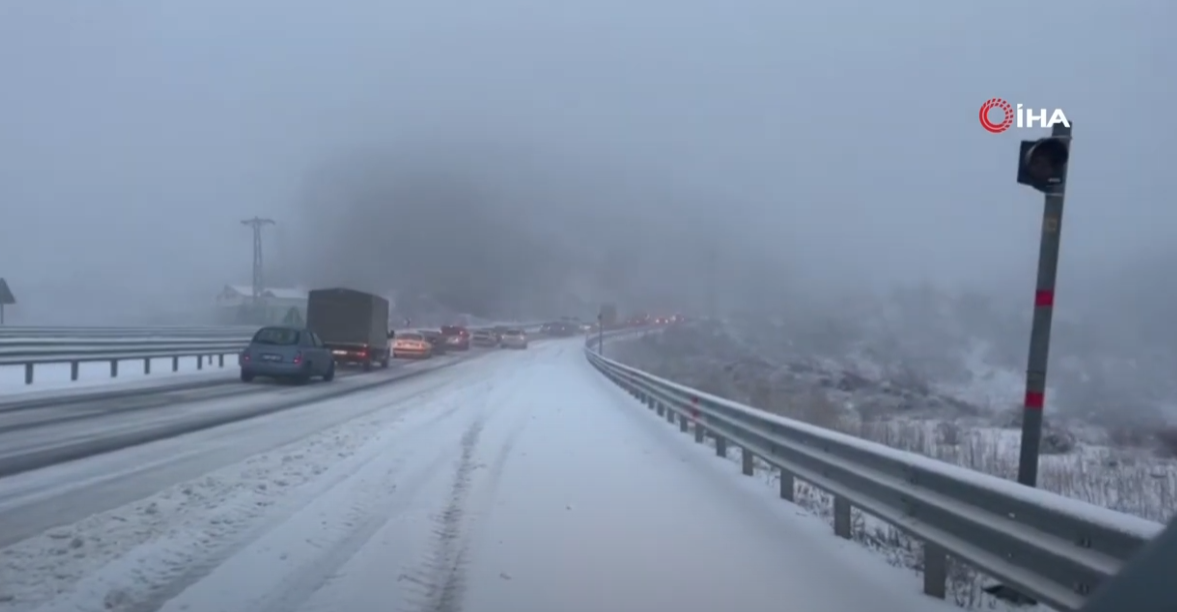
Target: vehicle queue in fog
<point x="350" y="327"/>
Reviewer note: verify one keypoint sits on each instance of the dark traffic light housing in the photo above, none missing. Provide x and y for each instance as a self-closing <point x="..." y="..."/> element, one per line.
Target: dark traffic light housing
<point x="1042" y="163"/>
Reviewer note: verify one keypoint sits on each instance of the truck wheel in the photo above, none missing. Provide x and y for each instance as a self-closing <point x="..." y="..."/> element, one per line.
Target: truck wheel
<point x="384" y="363"/>
<point x="368" y="365"/>
<point x="330" y="375"/>
<point x="246" y="376"/>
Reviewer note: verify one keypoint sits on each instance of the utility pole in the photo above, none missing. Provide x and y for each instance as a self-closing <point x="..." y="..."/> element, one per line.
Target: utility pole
<point x="601" y="332"/>
<point x="712" y="277"/>
<point x="1042" y="165"/>
<point x="257" y="224"/>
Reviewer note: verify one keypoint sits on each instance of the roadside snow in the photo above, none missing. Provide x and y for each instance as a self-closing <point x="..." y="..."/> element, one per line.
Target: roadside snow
<point x="56" y="376"/>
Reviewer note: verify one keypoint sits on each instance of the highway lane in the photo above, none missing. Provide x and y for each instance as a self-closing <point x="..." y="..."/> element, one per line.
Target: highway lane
<point x="34" y="438"/>
<point x="62" y="492"/>
<point x="46" y="411"/>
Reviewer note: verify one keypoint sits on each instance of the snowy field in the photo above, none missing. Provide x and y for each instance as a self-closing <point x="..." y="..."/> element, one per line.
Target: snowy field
<point x="946" y="422"/>
<point x="56" y="376"/>
<point x="520" y="481"/>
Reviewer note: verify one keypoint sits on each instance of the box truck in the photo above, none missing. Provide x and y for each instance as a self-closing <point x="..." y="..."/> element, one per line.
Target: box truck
<point x="353" y="324"/>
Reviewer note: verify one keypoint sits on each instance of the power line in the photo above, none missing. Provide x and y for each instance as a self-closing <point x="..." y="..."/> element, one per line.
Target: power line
<point x="257" y="223"/>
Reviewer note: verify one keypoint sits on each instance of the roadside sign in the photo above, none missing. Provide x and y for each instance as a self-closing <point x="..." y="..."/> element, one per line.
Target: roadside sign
<point x="6" y="298"/>
<point x="293" y="317"/>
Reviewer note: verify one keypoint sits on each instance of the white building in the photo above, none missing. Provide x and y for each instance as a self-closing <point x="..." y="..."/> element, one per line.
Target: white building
<point x="235" y="301"/>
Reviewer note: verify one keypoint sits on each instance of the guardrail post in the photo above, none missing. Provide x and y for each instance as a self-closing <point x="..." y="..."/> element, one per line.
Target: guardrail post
<point x="147" y="365"/>
<point x="661" y="409"/>
<point x="114" y="368"/>
<point x="73" y="370"/>
<point x="786" y="486"/>
<point x="935" y="571"/>
<point x="842" y="517"/>
<point x="175" y="363"/>
<point x="683" y="424"/>
<point x="651" y="403"/>
<point x="669" y="415"/>
<point x="221" y="360"/>
<point x="720" y="445"/>
<point x="699" y="433"/>
<point x="747" y="462"/>
<point x="28" y="373"/>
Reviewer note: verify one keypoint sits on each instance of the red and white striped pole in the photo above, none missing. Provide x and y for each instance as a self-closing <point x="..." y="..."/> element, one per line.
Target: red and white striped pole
<point x="1046" y="169"/>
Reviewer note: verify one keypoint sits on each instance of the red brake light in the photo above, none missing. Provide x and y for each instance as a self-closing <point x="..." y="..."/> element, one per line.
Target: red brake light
<point x="297" y="358"/>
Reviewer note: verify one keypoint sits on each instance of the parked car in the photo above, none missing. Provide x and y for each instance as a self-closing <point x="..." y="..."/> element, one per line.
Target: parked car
<point x="513" y="339"/>
<point x="456" y="337"/>
<point x="484" y="338"/>
<point x="286" y="352"/>
<point x="411" y="345"/>
<point x="435" y="339"/>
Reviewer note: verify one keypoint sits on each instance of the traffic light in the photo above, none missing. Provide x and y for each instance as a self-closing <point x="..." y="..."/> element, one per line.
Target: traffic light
<point x="1042" y="163"/>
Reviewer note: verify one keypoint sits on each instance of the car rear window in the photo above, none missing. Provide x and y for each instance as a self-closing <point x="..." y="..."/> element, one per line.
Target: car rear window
<point x="452" y="330"/>
<point x="417" y="337"/>
<point x="276" y="335"/>
<point x="513" y="332"/>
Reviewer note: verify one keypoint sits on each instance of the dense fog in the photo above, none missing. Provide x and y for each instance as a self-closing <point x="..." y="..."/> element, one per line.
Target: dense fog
<point x="524" y="158"/>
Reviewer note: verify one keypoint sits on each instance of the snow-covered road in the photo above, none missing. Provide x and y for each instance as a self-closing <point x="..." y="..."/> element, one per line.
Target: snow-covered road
<point x="520" y="482"/>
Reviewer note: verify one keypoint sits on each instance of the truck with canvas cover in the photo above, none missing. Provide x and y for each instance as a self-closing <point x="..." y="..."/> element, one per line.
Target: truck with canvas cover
<point x="353" y="324"/>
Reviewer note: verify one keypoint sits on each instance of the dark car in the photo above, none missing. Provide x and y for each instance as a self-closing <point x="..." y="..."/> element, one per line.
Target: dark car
<point x="560" y="329"/>
<point x="284" y="352"/>
<point x="435" y="339"/>
<point x="485" y="338"/>
<point x="513" y="338"/>
<point x="457" y="338"/>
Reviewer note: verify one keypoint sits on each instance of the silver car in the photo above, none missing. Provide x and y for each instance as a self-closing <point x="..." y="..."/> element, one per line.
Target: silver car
<point x="513" y="338"/>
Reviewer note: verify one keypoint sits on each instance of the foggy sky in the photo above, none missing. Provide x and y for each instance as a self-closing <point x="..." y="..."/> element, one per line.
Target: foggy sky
<point x="812" y="146"/>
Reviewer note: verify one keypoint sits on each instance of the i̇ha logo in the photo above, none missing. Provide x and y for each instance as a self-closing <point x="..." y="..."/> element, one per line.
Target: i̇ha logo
<point x="1006" y="116"/>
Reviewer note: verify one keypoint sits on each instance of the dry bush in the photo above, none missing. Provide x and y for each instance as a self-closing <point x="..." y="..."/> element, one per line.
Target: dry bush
<point x="1057" y="442"/>
<point x="1166" y="439"/>
<point x="948" y="433"/>
<point x="908" y="379"/>
<point x="1127" y="436"/>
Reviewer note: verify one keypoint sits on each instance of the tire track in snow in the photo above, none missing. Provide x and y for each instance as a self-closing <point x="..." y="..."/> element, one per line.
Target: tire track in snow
<point x="440" y="578"/>
<point x="438" y="585"/>
<point x="365" y="519"/>
<point x="368" y="512"/>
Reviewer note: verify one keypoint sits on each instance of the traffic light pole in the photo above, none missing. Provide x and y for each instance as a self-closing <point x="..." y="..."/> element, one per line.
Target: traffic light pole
<point x="1035" y="400"/>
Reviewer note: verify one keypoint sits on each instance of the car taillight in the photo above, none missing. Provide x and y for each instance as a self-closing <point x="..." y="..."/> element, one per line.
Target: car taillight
<point x="297" y="358"/>
<point x="244" y="357"/>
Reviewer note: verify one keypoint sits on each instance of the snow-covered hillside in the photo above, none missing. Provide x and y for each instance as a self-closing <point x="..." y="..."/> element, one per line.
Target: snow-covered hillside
<point x="962" y="408"/>
<point x="939" y="391"/>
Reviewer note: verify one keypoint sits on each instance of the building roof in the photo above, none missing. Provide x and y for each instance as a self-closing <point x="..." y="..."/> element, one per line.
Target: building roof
<point x="274" y="292"/>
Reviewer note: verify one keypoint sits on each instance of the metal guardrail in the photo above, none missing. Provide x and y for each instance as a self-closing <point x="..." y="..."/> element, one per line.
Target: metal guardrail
<point x="116" y="351"/>
<point x="1055" y="550"/>
<point x="31" y="352"/>
<point x="199" y="331"/>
